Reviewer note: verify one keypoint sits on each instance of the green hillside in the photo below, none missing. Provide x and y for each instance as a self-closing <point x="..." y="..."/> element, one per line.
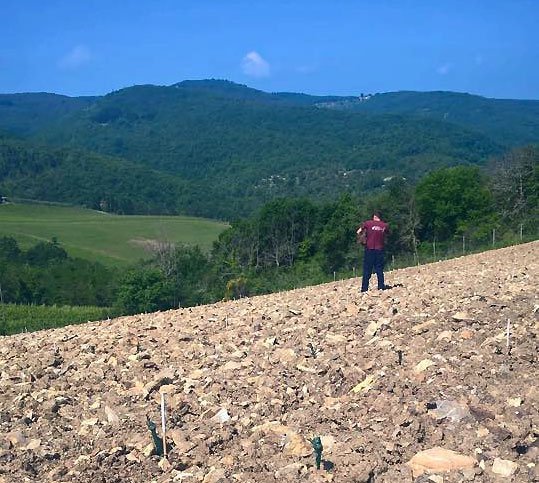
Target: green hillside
<point x="509" y="122"/>
<point x="87" y="179"/>
<point x="221" y="150"/>
<point x="245" y="147"/>
<point x="200" y="133"/>
<point x="98" y="236"/>
<point x="24" y="114"/>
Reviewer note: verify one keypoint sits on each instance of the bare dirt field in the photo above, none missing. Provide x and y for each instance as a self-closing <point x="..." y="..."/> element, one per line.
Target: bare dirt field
<point x="434" y="381"/>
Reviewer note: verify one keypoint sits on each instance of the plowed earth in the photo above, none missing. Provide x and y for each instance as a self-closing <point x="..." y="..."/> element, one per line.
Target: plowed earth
<point x="447" y="360"/>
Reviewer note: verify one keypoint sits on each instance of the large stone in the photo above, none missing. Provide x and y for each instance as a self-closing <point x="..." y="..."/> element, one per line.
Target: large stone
<point x="285" y="355"/>
<point x="162" y="379"/>
<point x="221" y="416"/>
<point x="112" y="417"/>
<point x="328" y="443"/>
<point x="215" y="475"/>
<point x="16" y="438"/>
<point x="364" y="385"/>
<point x="439" y="460"/>
<point x="295" y="445"/>
<point x="374" y="326"/>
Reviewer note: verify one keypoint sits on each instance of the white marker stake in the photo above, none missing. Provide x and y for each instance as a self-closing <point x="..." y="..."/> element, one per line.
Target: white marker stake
<point x="163" y="427"/>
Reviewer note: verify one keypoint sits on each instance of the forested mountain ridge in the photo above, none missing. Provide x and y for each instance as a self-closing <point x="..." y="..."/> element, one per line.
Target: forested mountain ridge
<point x="229" y="148"/>
<point x="249" y="148"/>
<point x="510" y="122"/>
<point x="25" y="114"/>
<point x="193" y="133"/>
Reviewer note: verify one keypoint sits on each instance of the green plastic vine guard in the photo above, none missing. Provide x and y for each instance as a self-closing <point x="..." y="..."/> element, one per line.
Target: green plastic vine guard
<point x="157" y="441"/>
<point x="318" y="448"/>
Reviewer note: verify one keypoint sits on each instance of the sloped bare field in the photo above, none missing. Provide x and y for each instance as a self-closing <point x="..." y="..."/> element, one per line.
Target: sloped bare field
<point x="379" y="376"/>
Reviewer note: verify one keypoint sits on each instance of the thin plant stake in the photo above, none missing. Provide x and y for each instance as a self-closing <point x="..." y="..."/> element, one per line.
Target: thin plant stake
<point x="163" y="426"/>
<point x="508" y="333"/>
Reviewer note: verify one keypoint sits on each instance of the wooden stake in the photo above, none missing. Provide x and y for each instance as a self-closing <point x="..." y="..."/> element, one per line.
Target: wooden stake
<point x="163" y="426"/>
<point x="508" y="333"/>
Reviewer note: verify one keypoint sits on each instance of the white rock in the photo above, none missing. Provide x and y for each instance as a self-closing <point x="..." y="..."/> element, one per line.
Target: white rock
<point x="423" y="365"/>
<point x="504" y="468"/>
<point x="221" y="416"/>
<point x="328" y="443"/>
<point x="514" y="401"/>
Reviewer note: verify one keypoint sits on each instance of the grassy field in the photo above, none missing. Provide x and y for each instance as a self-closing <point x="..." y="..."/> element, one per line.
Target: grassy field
<point x="29" y="318"/>
<point x="103" y="237"/>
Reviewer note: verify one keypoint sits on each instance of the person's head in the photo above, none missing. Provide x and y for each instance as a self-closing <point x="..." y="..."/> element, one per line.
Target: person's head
<point x="376" y="215"/>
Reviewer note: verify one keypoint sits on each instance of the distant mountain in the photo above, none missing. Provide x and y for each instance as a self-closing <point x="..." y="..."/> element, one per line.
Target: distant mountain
<point x="25" y="114"/>
<point x="231" y="148"/>
<point x="507" y="122"/>
<point x="224" y="88"/>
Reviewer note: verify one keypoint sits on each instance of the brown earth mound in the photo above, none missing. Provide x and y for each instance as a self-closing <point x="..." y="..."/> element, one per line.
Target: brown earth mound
<point x="418" y="383"/>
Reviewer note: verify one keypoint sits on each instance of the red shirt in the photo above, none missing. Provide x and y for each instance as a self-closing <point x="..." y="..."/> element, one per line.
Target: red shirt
<point x="376" y="231"/>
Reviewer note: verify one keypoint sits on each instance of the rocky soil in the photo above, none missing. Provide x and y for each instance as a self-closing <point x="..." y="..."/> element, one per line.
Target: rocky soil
<point x="434" y="381"/>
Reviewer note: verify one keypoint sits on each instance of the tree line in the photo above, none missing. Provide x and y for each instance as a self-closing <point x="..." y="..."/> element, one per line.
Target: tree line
<point x="45" y="274"/>
<point x="291" y="242"/>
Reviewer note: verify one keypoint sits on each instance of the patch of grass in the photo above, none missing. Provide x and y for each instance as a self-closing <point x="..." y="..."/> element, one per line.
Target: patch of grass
<point x="16" y="318"/>
<point x="103" y="237"/>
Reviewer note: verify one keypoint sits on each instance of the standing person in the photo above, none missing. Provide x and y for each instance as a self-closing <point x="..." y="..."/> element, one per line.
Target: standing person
<point x="375" y="231"/>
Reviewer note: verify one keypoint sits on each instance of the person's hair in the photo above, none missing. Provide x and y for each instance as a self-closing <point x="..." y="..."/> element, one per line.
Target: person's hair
<point x="377" y="213"/>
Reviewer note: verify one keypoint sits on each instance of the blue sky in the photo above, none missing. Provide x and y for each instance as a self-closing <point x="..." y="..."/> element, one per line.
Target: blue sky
<point x="89" y="47"/>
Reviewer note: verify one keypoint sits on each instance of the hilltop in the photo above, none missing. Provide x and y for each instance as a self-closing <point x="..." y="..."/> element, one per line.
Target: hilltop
<point x="510" y="122"/>
<point x="379" y="376"/>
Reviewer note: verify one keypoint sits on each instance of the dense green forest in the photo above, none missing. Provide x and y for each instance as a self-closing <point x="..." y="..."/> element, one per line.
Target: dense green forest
<point x="249" y="150"/>
<point x="87" y="179"/>
<point x="44" y="274"/>
<point x="25" y="114"/>
<point x="293" y="242"/>
<point x="510" y="122"/>
<point x="225" y="149"/>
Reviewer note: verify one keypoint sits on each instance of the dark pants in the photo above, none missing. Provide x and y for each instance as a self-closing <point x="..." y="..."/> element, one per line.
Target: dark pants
<point x="373" y="259"/>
